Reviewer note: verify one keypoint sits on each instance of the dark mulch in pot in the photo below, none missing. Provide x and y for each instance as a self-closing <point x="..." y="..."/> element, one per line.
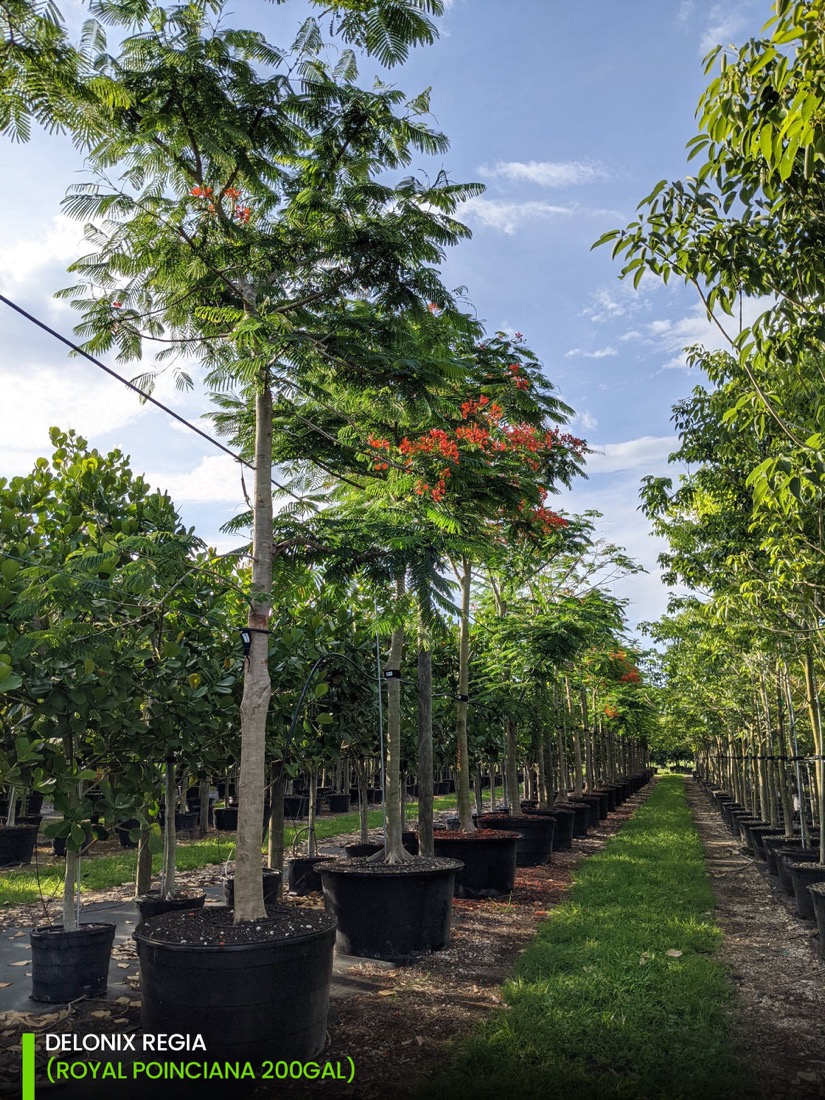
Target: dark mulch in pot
<point x="479" y="834"/>
<point x="413" y="866"/>
<point x="214" y="927"/>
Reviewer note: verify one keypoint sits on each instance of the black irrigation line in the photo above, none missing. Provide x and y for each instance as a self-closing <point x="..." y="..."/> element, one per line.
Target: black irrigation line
<point x="136" y="389"/>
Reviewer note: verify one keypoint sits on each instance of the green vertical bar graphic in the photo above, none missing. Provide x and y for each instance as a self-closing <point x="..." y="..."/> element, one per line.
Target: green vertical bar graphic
<point x="28" y="1066"/>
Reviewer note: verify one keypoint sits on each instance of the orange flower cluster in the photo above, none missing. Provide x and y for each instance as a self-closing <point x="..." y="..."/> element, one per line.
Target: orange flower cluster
<point x="240" y="212"/>
<point x="631" y="677"/>
<point x="611" y="712"/>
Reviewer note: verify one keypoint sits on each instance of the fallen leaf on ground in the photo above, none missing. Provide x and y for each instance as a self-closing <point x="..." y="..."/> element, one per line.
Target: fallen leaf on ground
<point x="673" y="954"/>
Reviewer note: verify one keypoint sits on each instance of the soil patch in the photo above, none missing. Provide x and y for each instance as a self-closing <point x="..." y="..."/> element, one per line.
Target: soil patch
<point x="774" y="964"/>
<point x="215" y="928"/>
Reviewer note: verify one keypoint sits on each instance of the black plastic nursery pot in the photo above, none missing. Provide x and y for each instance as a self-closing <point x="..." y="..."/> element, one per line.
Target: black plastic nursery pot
<point x="581" y="822"/>
<point x="744" y="824"/>
<point x="771" y="843"/>
<point x="391" y="911"/>
<point x="535" y="843"/>
<point x="784" y="859"/>
<point x="254" y="991"/>
<point x="338" y="803"/>
<point x="226" y="819"/>
<point x="154" y="904"/>
<point x="489" y="858"/>
<point x="804" y="875"/>
<point x="17" y="844"/>
<point x="758" y="834"/>
<point x="817" y="892"/>
<point x="359" y="851"/>
<point x="604" y="802"/>
<point x="594" y="809"/>
<point x="409" y="840"/>
<point x="272" y="884"/>
<point x="302" y="875"/>
<point x="296" y="805"/>
<point x="68" y="965"/>
<point x="123" y="831"/>
<point x="565" y="819"/>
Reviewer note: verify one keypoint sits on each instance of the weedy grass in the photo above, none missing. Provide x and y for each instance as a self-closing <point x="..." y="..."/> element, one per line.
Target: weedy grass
<point x="597" y="1007"/>
<point x="26" y="885"/>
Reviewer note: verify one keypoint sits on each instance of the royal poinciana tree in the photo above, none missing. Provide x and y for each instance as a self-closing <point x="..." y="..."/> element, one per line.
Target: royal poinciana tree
<point x="440" y="479"/>
<point x="240" y="208"/>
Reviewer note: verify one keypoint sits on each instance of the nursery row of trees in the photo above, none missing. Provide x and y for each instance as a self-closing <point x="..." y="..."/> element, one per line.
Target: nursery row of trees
<point x="123" y="660"/>
<point x="746" y="649"/>
<point x="247" y="209"/>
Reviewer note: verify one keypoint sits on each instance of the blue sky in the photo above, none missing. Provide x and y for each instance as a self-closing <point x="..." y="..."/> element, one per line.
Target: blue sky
<point x="569" y="113"/>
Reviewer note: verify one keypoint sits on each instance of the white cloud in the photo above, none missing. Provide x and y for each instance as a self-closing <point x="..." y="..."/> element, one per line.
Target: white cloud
<point x="507" y="217"/>
<point x="72" y="396"/>
<point x="621" y="299"/>
<point x="725" y="23"/>
<point x="633" y="454"/>
<point x="25" y="258"/>
<point x="215" y="480"/>
<point x="599" y="353"/>
<point x="673" y="337"/>
<point x="565" y="173"/>
<point x="587" y="420"/>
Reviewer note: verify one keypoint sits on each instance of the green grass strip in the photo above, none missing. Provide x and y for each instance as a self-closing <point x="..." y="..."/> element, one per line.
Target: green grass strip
<point x="20" y="886"/>
<point x="596" y="1007"/>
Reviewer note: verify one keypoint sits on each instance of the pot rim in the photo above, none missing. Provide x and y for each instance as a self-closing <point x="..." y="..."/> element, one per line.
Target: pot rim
<point x="397" y="870"/>
<point x="82" y="929"/>
<point x="235" y="948"/>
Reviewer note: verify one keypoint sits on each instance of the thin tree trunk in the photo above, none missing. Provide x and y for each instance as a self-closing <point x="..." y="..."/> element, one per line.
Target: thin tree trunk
<point x="465" y="813"/>
<point x="312" y="849"/>
<point x="511" y="766"/>
<point x="143" y="870"/>
<point x="203" y="814"/>
<point x="578" y="778"/>
<point x="426" y="778"/>
<point x="257" y="688"/>
<point x="170" y="835"/>
<point x="394" y="851"/>
<point x="275" y="824"/>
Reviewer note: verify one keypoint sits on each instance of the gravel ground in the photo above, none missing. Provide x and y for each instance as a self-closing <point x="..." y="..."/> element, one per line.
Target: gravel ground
<point x="774" y="964"/>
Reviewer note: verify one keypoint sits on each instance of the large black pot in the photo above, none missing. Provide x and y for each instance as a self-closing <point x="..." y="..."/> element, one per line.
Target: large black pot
<point x="604" y="802"/>
<point x="489" y="859"/>
<point x="758" y="834"/>
<point x="359" y="851"/>
<point x="68" y="965"/>
<point x="302" y="875"/>
<point x="226" y="819"/>
<point x="594" y="804"/>
<point x="394" y="912"/>
<point x="59" y="842"/>
<point x="409" y="840"/>
<point x="272" y="884"/>
<point x="154" y="904"/>
<point x="295" y="806"/>
<point x="123" y="831"/>
<point x="261" y="1000"/>
<point x="804" y="875"/>
<point x="338" y="803"/>
<point x="817" y="892"/>
<point x="786" y="856"/>
<point x="17" y="844"/>
<point x="771" y="843"/>
<point x="582" y="820"/>
<point x="535" y="844"/>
